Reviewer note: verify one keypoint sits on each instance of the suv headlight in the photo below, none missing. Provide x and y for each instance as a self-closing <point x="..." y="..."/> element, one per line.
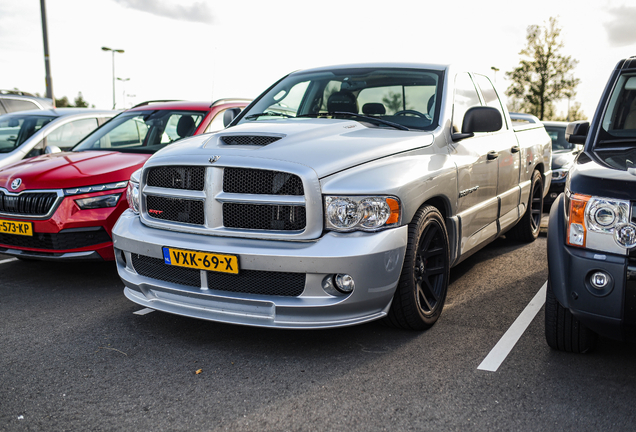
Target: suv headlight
<point x="101" y="201"/>
<point x="132" y="193"/>
<point x="365" y="213"/>
<point x="600" y="223"/>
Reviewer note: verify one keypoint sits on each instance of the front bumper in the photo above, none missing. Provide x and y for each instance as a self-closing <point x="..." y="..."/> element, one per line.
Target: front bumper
<point x="69" y="234"/>
<point x="374" y="260"/>
<point x="610" y="312"/>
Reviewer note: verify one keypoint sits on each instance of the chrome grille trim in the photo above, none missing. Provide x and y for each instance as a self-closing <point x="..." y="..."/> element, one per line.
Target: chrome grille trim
<point x="215" y="197"/>
<point x="59" y="197"/>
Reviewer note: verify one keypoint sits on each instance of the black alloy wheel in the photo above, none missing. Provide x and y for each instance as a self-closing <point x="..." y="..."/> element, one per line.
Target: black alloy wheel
<point x="421" y="291"/>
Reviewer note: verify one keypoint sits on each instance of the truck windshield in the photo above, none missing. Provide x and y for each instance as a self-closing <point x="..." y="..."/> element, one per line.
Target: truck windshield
<point x="616" y="143"/>
<point x="390" y="96"/>
<point x="142" y="131"/>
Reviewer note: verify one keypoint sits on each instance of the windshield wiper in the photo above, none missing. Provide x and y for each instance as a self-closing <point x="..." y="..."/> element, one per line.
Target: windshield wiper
<point x="371" y="119"/>
<point x="268" y="113"/>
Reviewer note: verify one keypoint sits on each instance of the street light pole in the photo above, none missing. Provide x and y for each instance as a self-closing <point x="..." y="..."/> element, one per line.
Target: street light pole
<point x="496" y="69"/>
<point x="123" y="80"/>
<point x="121" y="51"/>
<point x="47" y="60"/>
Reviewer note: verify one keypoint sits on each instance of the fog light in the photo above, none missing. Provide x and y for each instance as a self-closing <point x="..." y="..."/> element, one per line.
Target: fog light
<point x="599" y="280"/>
<point x="344" y="283"/>
<point x="625" y="235"/>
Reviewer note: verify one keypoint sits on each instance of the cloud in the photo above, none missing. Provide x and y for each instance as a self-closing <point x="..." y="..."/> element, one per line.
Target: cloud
<point x="621" y="30"/>
<point x="196" y="12"/>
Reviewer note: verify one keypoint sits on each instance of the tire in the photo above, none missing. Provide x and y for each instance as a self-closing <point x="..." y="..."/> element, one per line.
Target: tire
<point x="421" y="291"/>
<point x="563" y="331"/>
<point x="528" y="227"/>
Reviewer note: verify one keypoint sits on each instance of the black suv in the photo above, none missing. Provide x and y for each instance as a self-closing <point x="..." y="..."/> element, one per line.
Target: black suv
<point x="592" y="226"/>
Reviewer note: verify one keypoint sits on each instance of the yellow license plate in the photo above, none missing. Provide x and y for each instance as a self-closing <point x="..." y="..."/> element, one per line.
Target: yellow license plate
<point x="201" y="260"/>
<point x="13" y="227"/>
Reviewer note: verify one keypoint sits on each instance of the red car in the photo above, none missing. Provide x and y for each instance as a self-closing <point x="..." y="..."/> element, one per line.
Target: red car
<point x="63" y="206"/>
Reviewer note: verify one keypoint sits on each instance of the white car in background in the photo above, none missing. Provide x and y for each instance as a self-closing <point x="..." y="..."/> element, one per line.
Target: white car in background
<point x="15" y="100"/>
<point x="26" y="134"/>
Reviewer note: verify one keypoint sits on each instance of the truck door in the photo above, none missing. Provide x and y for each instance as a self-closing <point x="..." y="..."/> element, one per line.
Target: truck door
<point x="477" y="172"/>
<point x="505" y="144"/>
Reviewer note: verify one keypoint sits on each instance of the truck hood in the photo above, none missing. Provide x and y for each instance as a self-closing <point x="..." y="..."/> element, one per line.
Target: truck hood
<point x="325" y="145"/>
<point x="71" y="169"/>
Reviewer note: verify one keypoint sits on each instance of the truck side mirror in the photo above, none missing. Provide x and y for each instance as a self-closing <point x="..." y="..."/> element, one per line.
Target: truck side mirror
<point x="229" y="115"/>
<point x="576" y="132"/>
<point x="479" y="119"/>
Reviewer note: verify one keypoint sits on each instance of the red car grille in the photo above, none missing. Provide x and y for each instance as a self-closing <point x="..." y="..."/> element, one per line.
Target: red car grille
<point x="27" y="203"/>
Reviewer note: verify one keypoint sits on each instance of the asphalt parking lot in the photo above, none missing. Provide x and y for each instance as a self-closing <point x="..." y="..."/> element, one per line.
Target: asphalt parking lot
<point x="75" y="356"/>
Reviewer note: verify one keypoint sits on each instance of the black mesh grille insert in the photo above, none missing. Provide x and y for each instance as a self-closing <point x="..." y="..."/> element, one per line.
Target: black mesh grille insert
<point x="264" y="217"/>
<point x="155" y="268"/>
<point x="247" y="281"/>
<point x="258" y="140"/>
<point x="177" y="177"/>
<point x="175" y="209"/>
<point x="29" y="203"/>
<point x="57" y="241"/>
<point x="255" y="181"/>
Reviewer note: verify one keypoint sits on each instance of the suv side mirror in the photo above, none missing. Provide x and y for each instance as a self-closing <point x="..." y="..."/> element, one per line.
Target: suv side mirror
<point x="479" y="119"/>
<point x="576" y="132"/>
<point x="229" y="115"/>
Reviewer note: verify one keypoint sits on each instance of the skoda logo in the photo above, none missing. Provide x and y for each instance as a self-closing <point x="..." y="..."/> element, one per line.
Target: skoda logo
<point x="16" y="183"/>
<point x="214" y="159"/>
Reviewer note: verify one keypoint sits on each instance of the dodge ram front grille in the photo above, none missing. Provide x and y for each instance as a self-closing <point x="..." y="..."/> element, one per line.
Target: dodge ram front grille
<point x="266" y="199"/>
<point x="177" y="177"/>
<point x="264" y="217"/>
<point x="255" y="181"/>
<point x="175" y="209"/>
<point x="257" y="140"/>
<point x="27" y="203"/>
<point x="247" y="281"/>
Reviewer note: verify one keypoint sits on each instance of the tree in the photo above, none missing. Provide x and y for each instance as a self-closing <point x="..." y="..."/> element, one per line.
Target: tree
<point x="63" y="102"/>
<point x="80" y="102"/>
<point x="543" y="76"/>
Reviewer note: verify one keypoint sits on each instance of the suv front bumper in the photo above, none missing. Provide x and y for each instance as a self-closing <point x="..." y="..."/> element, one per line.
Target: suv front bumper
<point x="610" y="312"/>
<point x="374" y="260"/>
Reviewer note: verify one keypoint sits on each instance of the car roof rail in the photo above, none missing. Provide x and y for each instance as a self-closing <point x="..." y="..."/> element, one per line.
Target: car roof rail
<point x="229" y="100"/>
<point x="16" y="92"/>
<point x="155" y="101"/>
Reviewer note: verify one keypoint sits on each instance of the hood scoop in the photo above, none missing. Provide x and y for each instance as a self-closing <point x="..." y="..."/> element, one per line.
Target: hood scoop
<point x="251" y="140"/>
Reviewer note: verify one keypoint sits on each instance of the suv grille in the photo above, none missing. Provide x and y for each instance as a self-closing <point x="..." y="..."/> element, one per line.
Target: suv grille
<point x="255" y="181"/>
<point x="175" y="209"/>
<point x="177" y="177"/>
<point x="258" y="140"/>
<point x="28" y="203"/>
<point x="247" y="281"/>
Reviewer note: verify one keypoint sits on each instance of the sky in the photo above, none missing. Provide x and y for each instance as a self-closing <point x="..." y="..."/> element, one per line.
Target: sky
<point x="209" y="49"/>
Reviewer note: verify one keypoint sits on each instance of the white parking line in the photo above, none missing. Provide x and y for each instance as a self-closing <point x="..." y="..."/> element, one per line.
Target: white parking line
<point x="8" y="260"/>
<point x="144" y="311"/>
<point x="507" y="342"/>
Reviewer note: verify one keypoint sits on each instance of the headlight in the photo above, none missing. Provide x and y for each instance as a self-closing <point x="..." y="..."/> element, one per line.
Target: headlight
<point x="559" y="174"/>
<point x="600" y="223"/>
<point x="132" y="193"/>
<point x="349" y="213"/>
<point x="101" y="201"/>
<point x="95" y="188"/>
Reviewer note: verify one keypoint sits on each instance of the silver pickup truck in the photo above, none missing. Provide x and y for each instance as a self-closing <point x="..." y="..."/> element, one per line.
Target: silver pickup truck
<point x="341" y="195"/>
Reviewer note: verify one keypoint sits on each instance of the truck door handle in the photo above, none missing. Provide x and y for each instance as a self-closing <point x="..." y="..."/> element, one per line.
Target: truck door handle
<point x="515" y="149"/>
<point x="492" y="155"/>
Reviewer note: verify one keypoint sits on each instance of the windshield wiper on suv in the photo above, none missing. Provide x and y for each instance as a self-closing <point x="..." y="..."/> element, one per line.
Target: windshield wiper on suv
<point x="371" y="119"/>
<point x="268" y="113"/>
